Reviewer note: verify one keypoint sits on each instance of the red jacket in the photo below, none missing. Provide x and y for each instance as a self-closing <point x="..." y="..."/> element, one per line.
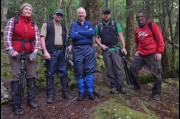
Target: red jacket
<point x="145" y="43"/>
<point x="23" y="30"/>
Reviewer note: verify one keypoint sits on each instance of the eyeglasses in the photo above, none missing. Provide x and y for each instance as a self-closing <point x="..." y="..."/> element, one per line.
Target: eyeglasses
<point x="139" y="17"/>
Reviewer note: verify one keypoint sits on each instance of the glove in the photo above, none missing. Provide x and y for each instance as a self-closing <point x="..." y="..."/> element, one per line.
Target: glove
<point x="33" y="55"/>
<point x="11" y="51"/>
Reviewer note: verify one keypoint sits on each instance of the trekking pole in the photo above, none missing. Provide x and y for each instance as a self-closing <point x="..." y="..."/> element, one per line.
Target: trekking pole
<point x="126" y="69"/>
<point x="22" y="74"/>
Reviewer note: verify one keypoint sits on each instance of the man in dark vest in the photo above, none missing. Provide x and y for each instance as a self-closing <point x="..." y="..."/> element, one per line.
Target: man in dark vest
<point x="110" y="32"/>
<point x="53" y="37"/>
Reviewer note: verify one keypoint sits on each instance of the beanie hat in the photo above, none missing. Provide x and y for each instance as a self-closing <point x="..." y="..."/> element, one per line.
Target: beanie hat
<point x="24" y="5"/>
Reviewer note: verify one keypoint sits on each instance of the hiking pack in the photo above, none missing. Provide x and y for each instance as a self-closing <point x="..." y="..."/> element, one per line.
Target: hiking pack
<point x="113" y="25"/>
<point x="16" y="19"/>
<point x="150" y="27"/>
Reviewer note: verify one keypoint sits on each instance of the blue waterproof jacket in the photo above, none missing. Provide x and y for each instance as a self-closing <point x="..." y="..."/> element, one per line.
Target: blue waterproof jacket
<point x="81" y="34"/>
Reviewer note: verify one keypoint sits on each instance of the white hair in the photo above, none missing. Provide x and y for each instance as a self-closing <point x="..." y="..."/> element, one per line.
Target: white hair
<point x="81" y="9"/>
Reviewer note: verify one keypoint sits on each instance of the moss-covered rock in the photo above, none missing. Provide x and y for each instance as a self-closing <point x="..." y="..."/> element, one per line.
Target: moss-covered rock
<point x="113" y="110"/>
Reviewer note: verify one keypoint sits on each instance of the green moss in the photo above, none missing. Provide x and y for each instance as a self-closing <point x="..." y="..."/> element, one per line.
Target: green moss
<point x="144" y="79"/>
<point x="175" y="110"/>
<point x="113" y="110"/>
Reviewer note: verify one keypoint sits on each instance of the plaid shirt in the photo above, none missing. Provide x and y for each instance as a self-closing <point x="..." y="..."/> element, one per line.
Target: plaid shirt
<point x="9" y="32"/>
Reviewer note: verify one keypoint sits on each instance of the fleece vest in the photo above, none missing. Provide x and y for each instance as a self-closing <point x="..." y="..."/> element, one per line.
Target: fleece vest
<point x="50" y="37"/>
<point x="23" y="35"/>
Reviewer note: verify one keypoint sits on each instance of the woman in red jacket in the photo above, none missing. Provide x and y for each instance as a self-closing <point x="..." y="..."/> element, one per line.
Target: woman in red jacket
<point x="21" y="35"/>
<point x="149" y="48"/>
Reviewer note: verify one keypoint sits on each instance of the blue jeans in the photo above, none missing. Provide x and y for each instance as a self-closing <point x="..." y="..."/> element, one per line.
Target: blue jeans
<point x="57" y="63"/>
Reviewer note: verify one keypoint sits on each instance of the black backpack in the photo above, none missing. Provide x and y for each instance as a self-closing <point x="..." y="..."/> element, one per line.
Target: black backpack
<point x="113" y="25"/>
<point x="150" y="27"/>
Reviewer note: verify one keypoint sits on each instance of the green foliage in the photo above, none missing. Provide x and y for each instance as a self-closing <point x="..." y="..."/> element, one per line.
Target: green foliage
<point x="100" y="63"/>
<point x="5" y="66"/>
<point x="114" y="110"/>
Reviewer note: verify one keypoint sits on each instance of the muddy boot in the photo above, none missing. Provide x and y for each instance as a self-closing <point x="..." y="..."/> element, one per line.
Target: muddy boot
<point x="15" y="98"/>
<point x="91" y="96"/>
<point x="113" y="91"/>
<point x="157" y="97"/>
<point x="65" y="88"/>
<point x="31" y="93"/>
<point x="123" y="90"/>
<point x="81" y="97"/>
<point x="50" y="91"/>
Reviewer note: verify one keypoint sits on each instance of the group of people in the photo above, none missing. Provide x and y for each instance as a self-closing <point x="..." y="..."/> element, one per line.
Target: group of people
<point x="21" y="34"/>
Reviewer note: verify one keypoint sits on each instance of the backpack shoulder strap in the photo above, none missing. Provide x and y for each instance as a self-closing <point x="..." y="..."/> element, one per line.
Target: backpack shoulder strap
<point x="16" y="19"/>
<point x="150" y="27"/>
<point x="100" y="27"/>
<point x="114" y="25"/>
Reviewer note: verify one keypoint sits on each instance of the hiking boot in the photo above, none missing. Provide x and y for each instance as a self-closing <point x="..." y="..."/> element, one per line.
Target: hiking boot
<point x="113" y="91"/>
<point x="123" y="91"/>
<point x="80" y="97"/>
<point x="15" y="98"/>
<point x="157" y="97"/>
<point x="18" y="111"/>
<point x="49" y="99"/>
<point x="91" y="96"/>
<point x="33" y="104"/>
<point x="66" y="95"/>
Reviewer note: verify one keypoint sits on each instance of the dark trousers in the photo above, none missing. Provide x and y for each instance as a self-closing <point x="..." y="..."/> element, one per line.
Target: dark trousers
<point x="114" y="70"/>
<point x="57" y="64"/>
<point x="154" y="67"/>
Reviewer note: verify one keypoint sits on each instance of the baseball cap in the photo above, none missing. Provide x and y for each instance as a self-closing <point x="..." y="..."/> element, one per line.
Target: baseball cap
<point x="58" y="11"/>
<point x="106" y="11"/>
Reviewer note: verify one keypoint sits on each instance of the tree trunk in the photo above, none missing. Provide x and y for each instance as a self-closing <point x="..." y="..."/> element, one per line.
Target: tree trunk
<point x="129" y="28"/>
<point x="107" y="4"/>
<point x="149" y="7"/>
<point x="59" y="4"/>
<point x="165" y="57"/>
<point x="176" y="34"/>
<point x="44" y="11"/>
<point x="171" y="35"/>
<point x="4" y="11"/>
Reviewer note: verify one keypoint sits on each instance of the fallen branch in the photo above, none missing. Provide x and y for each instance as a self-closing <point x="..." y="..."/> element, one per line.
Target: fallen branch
<point x="70" y="101"/>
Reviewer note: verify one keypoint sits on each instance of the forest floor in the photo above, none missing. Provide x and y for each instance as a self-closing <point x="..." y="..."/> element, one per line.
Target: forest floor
<point x="140" y="101"/>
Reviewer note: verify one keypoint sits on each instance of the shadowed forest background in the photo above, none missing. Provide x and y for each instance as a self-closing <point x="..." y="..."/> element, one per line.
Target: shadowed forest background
<point x="163" y="12"/>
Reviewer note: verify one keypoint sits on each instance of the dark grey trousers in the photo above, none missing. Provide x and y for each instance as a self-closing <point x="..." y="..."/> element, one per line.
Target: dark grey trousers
<point x="114" y="70"/>
<point x="154" y="67"/>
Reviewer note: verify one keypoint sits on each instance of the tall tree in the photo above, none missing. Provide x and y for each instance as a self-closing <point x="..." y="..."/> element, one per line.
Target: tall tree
<point x="129" y="27"/>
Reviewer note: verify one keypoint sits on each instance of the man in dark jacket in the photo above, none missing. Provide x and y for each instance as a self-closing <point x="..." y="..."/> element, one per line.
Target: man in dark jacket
<point x="53" y="37"/>
<point x="110" y="32"/>
<point x="84" y="60"/>
<point x="149" y="48"/>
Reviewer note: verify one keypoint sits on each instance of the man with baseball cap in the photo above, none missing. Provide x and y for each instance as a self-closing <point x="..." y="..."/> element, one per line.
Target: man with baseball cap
<point x="58" y="11"/>
<point x="110" y="33"/>
<point x="53" y="37"/>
